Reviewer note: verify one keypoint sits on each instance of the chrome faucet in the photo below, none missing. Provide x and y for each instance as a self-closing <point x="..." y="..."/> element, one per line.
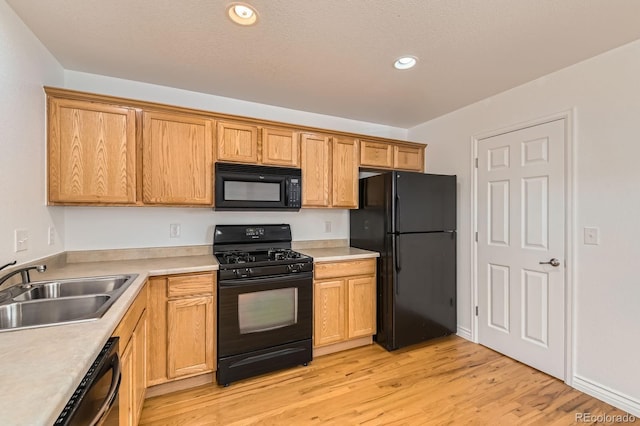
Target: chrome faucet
<point x="24" y="273"/>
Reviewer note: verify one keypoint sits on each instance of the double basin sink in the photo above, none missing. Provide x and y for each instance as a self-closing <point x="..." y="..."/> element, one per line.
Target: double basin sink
<point x="54" y="302"/>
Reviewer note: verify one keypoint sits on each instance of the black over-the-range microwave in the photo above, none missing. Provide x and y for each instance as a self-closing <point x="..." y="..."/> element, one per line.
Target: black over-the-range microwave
<point x="249" y="187"/>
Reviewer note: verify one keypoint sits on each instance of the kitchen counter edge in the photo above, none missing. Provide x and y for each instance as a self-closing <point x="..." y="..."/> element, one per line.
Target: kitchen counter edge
<point x="46" y="364"/>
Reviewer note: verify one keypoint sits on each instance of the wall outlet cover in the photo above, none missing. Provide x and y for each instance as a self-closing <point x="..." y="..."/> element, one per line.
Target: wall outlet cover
<point x="174" y="230"/>
<point x="591" y="236"/>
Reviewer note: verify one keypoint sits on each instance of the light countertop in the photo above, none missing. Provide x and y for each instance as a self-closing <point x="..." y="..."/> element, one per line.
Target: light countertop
<point x="336" y="254"/>
<point x="41" y="367"/>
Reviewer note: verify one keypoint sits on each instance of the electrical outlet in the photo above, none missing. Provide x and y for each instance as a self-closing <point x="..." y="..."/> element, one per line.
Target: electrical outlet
<point x="591" y="236"/>
<point x="52" y="235"/>
<point x="327" y="226"/>
<point x="21" y="240"/>
<point x="174" y="230"/>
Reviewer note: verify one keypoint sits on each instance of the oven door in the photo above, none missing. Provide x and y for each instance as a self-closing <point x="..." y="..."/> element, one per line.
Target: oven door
<point x="262" y="312"/>
<point x="92" y="403"/>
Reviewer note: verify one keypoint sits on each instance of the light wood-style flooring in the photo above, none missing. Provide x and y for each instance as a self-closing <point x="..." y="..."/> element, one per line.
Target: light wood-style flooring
<point x="446" y="381"/>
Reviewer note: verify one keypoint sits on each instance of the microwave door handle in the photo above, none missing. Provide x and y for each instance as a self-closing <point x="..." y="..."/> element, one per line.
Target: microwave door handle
<point x="112" y="394"/>
<point x="284" y="191"/>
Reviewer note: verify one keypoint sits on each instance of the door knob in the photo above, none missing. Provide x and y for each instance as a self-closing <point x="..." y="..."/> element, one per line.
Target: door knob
<point x="552" y="262"/>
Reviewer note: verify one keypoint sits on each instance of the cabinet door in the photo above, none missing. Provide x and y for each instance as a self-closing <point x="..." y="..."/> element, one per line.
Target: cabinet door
<point x="280" y="148"/>
<point x="376" y="154"/>
<point x="345" y="173"/>
<point x="157" y="340"/>
<point x="408" y="158"/>
<point x="125" y="393"/>
<point x="190" y="336"/>
<point x="91" y="153"/>
<point x="237" y="142"/>
<point x="329" y="316"/>
<point x="361" y="300"/>
<point x="139" y="355"/>
<point x="177" y="159"/>
<point x="316" y="170"/>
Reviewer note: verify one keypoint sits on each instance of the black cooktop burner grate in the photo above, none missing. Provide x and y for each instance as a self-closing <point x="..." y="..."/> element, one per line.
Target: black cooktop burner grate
<point x="270" y="255"/>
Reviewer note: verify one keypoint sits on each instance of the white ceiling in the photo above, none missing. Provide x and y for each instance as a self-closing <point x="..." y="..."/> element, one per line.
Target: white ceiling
<point x="334" y="56"/>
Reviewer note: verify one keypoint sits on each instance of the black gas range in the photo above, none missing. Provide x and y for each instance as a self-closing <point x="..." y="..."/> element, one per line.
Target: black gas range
<point x="241" y="263"/>
<point x="265" y="301"/>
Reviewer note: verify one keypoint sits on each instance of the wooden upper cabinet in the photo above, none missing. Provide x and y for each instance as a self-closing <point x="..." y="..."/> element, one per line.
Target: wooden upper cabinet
<point x="316" y="170"/>
<point x="376" y="154"/>
<point x="408" y="158"/>
<point x="91" y="152"/>
<point x="177" y="159"/>
<point x="344" y="173"/>
<point x="392" y="156"/>
<point x="280" y="148"/>
<point x="237" y="142"/>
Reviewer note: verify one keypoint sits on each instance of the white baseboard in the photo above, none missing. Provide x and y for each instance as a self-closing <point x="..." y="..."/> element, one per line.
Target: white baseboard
<point x="607" y="395"/>
<point x="464" y="333"/>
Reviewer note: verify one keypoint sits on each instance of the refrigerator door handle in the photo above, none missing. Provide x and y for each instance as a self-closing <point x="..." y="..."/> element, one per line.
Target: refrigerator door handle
<point x="396" y="259"/>
<point x="396" y="207"/>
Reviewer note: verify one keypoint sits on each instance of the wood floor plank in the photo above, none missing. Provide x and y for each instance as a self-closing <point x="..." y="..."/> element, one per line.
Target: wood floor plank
<point x="446" y="381"/>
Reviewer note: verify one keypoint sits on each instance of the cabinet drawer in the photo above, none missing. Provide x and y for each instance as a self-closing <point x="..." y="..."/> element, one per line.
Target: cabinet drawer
<point x="188" y="285"/>
<point x="344" y="269"/>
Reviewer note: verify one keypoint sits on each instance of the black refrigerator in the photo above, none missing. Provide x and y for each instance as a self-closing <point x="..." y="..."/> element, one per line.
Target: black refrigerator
<point x="410" y="219"/>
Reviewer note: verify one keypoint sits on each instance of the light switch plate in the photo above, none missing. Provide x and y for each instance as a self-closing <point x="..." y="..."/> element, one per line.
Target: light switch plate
<point x="591" y="236"/>
<point x="21" y="240"/>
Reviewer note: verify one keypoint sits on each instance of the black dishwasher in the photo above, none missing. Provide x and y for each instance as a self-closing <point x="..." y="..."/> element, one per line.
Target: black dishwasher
<point x="93" y="401"/>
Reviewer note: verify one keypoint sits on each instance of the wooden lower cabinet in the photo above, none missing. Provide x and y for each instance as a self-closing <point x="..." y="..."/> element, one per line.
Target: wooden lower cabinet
<point x="329" y="309"/>
<point x="181" y="340"/>
<point x="344" y="302"/>
<point x="132" y="349"/>
<point x="189" y="336"/>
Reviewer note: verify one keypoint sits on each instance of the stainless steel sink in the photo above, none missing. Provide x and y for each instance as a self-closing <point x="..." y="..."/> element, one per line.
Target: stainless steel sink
<point x="73" y="287"/>
<point x="51" y="312"/>
<point x="45" y="303"/>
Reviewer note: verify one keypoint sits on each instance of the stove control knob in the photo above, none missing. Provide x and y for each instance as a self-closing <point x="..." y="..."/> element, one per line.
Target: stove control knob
<point x="242" y="273"/>
<point x="293" y="268"/>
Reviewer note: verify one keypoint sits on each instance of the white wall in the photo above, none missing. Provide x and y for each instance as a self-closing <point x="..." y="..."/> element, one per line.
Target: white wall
<point x="93" y="228"/>
<point x="605" y="92"/>
<point x="25" y="66"/>
<point x="99" y="228"/>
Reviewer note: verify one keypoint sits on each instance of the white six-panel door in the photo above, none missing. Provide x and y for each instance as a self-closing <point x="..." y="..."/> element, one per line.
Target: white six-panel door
<point x="520" y="184"/>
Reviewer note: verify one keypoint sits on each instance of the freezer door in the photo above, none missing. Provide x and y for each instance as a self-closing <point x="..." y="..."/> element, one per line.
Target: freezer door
<point x="369" y="224"/>
<point x="423" y="202"/>
<point x="424" y="287"/>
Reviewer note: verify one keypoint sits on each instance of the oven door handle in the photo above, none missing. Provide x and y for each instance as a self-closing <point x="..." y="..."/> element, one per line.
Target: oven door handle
<point x="113" y="391"/>
<point x="266" y="280"/>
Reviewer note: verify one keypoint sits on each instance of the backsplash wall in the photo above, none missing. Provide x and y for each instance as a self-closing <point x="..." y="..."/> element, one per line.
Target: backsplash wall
<point x="95" y="228"/>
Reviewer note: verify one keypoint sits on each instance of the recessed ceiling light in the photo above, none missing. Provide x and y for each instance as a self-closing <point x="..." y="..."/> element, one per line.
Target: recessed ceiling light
<point x="405" y="62"/>
<point x="242" y="13"/>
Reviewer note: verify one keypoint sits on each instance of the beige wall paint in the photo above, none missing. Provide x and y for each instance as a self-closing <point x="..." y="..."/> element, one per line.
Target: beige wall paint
<point x="605" y="94"/>
<point x="25" y="66"/>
